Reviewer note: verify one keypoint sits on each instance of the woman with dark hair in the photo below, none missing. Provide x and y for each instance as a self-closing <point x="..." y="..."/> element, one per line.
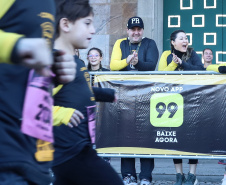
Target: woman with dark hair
<point x="94" y="57"/>
<point x="181" y="57"/>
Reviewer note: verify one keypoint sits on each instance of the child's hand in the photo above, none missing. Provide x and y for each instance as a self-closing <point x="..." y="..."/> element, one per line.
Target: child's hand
<point x="75" y="119"/>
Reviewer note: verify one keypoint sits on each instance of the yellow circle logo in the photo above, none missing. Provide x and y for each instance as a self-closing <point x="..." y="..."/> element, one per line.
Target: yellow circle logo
<point x="167" y="110"/>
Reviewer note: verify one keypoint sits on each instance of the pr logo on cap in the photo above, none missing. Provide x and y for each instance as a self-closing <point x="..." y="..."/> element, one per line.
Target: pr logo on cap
<point x="135" y="22"/>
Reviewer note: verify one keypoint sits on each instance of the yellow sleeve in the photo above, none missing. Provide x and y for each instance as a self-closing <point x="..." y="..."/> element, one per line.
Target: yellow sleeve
<point x="7" y="40"/>
<point x="57" y="89"/>
<point x="5" y="6"/>
<point x="116" y="63"/>
<point x="214" y="67"/>
<point x="61" y="115"/>
<point x="163" y="62"/>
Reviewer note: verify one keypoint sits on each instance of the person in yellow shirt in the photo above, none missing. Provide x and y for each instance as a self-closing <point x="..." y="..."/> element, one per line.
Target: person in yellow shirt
<point x="136" y="52"/>
<point x="181" y="56"/>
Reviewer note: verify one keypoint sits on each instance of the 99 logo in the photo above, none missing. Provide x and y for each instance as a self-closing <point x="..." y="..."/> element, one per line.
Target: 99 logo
<point x="161" y="108"/>
<point x="166" y="110"/>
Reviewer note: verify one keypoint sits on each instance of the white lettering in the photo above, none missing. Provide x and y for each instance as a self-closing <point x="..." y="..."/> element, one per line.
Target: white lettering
<point x="158" y="89"/>
<point x="166" y="140"/>
<point x="158" y="133"/>
<point x="136" y="20"/>
<point x="152" y="89"/>
<point x="166" y="133"/>
<point x="174" y="89"/>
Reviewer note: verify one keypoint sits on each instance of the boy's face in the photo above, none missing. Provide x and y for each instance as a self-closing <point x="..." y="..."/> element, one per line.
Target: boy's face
<point x="81" y="32"/>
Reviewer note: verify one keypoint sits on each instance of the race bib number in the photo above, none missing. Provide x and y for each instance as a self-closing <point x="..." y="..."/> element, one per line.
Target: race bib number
<point x="91" y="112"/>
<point x="167" y="110"/>
<point x="37" y="110"/>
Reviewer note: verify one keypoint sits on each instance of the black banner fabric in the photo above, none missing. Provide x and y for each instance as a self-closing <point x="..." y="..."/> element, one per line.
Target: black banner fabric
<point x="176" y="113"/>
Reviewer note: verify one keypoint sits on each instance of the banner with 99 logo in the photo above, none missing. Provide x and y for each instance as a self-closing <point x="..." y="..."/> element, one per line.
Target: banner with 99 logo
<point x="163" y="114"/>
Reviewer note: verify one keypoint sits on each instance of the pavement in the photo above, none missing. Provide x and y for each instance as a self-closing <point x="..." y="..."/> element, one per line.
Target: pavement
<point x="208" y="171"/>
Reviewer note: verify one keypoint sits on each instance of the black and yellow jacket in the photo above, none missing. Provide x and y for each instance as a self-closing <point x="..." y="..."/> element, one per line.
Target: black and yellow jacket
<point x="166" y="63"/>
<point x="221" y="68"/>
<point x="76" y="95"/>
<point x="18" y="19"/>
<point x="147" y="55"/>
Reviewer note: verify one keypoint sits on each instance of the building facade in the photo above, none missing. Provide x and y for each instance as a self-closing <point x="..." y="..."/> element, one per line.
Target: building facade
<point x="204" y="21"/>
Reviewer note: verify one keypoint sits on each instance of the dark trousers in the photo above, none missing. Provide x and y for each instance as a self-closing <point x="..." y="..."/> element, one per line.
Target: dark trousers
<point x="85" y="169"/>
<point x="190" y="161"/>
<point x="146" y="164"/>
<point x="12" y="178"/>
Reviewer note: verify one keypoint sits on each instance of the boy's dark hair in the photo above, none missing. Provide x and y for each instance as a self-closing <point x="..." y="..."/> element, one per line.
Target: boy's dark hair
<point x="72" y="10"/>
<point x="100" y="53"/>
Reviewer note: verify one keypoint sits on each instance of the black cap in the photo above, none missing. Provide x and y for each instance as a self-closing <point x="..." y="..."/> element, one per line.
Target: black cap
<point x="135" y="21"/>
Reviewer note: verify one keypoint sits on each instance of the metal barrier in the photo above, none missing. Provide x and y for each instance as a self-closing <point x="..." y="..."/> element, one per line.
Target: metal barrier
<point x="155" y="73"/>
<point x="162" y="156"/>
<point x="165" y="156"/>
<point x="152" y="73"/>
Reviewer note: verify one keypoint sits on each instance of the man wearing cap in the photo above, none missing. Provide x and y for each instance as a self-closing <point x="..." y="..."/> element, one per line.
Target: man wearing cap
<point x="139" y="54"/>
<point x="135" y="52"/>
